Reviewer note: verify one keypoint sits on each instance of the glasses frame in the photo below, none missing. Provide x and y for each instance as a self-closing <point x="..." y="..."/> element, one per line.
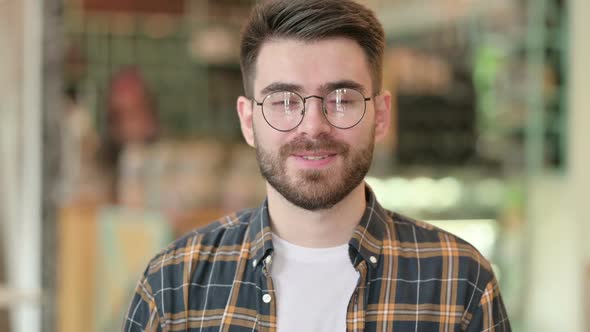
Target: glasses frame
<point x="324" y="109"/>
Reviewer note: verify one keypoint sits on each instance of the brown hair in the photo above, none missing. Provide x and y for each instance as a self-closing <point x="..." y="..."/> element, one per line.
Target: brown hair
<point x="311" y="20"/>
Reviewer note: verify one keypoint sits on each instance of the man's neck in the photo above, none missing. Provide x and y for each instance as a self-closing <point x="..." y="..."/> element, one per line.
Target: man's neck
<point x="316" y="229"/>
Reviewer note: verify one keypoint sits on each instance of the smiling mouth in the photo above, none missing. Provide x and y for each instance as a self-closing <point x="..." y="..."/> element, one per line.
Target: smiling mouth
<point x="315" y="157"/>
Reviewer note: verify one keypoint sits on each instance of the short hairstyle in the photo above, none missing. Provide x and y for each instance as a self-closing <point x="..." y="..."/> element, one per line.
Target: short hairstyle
<point x="311" y="20"/>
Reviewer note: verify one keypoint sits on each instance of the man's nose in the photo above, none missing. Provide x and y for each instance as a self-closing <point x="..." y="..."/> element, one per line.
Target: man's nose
<point x="314" y="122"/>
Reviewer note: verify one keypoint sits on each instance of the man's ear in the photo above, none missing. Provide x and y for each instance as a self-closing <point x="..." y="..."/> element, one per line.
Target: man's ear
<point x="382" y="115"/>
<point x="244" y="108"/>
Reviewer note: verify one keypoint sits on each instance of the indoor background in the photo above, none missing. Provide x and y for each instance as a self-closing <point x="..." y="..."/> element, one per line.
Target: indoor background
<point x="118" y="133"/>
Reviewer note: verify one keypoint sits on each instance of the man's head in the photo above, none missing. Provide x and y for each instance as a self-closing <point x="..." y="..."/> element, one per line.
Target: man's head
<point x="316" y="52"/>
<point x="311" y="20"/>
<point x="131" y="114"/>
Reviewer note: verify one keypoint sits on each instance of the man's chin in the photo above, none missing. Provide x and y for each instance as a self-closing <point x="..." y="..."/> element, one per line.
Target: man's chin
<point x="311" y="202"/>
<point x="311" y="194"/>
<point x="312" y="176"/>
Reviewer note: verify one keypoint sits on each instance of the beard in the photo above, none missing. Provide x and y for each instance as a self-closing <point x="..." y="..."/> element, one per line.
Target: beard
<point x="315" y="189"/>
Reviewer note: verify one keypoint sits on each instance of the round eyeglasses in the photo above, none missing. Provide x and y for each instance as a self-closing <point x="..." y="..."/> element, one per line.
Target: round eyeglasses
<point x="284" y="110"/>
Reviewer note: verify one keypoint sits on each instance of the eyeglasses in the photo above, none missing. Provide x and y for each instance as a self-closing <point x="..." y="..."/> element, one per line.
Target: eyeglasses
<point x="284" y="110"/>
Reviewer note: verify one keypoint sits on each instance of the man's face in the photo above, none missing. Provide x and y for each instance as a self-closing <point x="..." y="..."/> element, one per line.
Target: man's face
<point x="315" y="165"/>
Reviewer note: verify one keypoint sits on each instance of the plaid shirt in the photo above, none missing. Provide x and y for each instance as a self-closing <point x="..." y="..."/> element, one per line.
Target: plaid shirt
<point x="413" y="277"/>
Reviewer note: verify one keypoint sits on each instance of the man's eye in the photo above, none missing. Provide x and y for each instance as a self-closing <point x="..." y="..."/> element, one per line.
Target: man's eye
<point x="286" y="103"/>
<point x="340" y="101"/>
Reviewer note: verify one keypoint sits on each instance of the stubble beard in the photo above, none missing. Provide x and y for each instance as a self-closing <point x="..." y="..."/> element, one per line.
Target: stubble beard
<point x="315" y="189"/>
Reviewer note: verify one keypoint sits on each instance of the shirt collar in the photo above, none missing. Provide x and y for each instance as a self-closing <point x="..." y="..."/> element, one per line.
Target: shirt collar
<point x="260" y="234"/>
<point x="366" y="241"/>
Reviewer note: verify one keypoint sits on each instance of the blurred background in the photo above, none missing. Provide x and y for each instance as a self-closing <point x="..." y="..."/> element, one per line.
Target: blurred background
<point x="118" y="133"/>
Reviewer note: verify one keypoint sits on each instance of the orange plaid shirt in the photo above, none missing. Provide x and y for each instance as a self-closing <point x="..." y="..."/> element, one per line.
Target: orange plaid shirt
<point x="413" y="277"/>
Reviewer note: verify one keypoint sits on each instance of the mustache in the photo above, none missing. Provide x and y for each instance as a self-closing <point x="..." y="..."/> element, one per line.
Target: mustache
<point x="322" y="143"/>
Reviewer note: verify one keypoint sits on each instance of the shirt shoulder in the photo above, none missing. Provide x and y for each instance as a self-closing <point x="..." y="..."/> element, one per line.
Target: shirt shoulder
<point x="433" y="241"/>
<point x="198" y="247"/>
<point x="177" y="280"/>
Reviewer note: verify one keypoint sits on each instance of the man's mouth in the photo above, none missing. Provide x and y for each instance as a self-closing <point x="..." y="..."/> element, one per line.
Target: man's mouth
<point x="314" y="157"/>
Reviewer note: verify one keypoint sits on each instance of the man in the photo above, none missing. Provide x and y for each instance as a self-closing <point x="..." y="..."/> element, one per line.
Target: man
<point x="320" y="254"/>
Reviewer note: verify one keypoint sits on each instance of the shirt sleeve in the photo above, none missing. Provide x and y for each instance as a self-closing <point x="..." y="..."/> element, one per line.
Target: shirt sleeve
<point x="490" y="314"/>
<point x="143" y="313"/>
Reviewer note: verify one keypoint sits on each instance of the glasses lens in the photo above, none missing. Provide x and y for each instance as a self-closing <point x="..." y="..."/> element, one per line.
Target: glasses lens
<point x="283" y="110"/>
<point x="345" y="107"/>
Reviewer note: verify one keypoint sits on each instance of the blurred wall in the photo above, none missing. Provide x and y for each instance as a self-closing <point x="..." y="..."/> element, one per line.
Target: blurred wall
<point x="559" y="208"/>
<point x="20" y="157"/>
<point x="579" y="139"/>
<point x="580" y="120"/>
<point x="11" y="46"/>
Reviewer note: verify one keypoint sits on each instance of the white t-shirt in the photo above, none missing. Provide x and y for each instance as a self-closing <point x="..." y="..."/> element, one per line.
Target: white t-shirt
<point x="313" y="287"/>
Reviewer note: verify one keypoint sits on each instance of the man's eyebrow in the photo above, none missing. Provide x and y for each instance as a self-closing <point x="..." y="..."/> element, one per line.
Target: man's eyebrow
<point x="343" y="84"/>
<point x="324" y="88"/>
<point x="281" y="86"/>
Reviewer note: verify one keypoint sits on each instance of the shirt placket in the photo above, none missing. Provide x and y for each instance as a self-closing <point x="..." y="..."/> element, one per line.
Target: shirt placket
<point x="355" y="316"/>
<point x="267" y="319"/>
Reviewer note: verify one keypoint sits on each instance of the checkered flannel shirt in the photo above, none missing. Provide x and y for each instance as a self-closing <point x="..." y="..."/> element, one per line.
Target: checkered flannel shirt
<point x="413" y="277"/>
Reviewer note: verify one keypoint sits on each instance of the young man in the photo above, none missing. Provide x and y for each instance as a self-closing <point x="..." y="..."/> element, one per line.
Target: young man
<point x="320" y="254"/>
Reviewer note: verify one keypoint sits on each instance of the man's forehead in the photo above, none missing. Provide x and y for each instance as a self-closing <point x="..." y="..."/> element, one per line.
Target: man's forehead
<point x="311" y="66"/>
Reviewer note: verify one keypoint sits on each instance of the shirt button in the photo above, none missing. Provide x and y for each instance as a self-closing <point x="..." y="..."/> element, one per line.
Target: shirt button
<point x="266" y="298"/>
<point x="254" y="262"/>
<point x="373" y="259"/>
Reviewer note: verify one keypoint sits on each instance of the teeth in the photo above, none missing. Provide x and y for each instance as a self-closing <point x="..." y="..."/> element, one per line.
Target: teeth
<point x="314" y="157"/>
